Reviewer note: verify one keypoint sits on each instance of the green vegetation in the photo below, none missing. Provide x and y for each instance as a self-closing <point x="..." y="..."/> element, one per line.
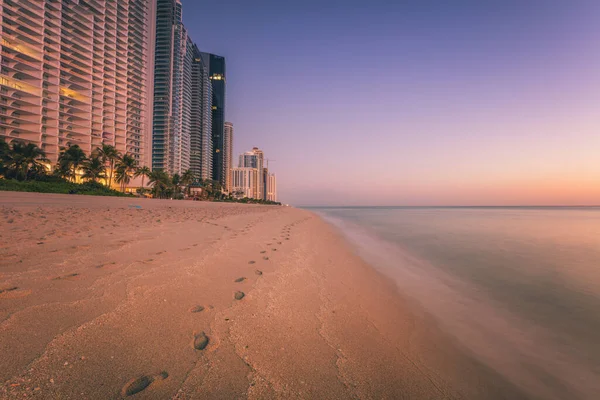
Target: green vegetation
<point x="24" y="168"/>
<point x="59" y="185"/>
<point x="21" y="161"/>
<point x="126" y="167"/>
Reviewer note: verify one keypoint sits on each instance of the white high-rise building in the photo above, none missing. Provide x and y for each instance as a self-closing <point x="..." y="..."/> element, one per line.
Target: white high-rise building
<point x="255" y="159"/>
<point x="76" y="72"/>
<point x="244" y="182"/>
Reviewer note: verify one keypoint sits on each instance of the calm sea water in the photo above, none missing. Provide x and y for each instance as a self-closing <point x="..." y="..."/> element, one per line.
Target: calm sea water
<point x="519" y="288"/>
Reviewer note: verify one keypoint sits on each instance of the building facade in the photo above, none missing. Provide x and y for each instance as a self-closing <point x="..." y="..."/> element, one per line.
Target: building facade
<point x="271" y="187"/>
<point x="166" y="128"/>
<point x="244" y="182"/>
<point x="76" y="72"/>
<point x="216" y="72"/>
<point x="182" y="121"/>
<point x="228" y="155"/>
<point x="201" y="119"/>
<point x="255" y="159"/>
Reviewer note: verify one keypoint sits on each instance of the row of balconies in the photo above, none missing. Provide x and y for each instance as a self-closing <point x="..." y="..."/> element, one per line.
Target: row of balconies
<point x="21" y="16"/>
<point x="31" y="6"/>
<point x="76" y="58"/>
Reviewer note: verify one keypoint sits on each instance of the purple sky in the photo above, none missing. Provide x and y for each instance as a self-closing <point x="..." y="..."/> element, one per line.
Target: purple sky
<point x="415" y="102"/>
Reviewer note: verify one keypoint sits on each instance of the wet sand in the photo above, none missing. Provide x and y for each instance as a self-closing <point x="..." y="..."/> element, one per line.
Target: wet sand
<point x="108" y="298"/>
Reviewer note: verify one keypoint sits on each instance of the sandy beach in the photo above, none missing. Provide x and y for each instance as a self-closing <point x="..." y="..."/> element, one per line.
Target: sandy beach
<point x="109" y="297"/>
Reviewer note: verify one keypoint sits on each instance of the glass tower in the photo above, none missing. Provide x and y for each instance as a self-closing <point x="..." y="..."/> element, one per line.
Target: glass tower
<point x="182" y="125"/>
<point x="216" y="71"/>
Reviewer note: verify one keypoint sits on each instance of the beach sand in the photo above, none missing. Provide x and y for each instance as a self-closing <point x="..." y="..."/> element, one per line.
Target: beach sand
<point x="105" y="298"/>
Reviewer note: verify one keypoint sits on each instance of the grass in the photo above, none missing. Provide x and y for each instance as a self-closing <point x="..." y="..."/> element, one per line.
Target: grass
<point x="60" y="186"/>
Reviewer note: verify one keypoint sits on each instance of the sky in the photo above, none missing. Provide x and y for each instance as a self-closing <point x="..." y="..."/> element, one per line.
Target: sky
<point x="419" y="102"/>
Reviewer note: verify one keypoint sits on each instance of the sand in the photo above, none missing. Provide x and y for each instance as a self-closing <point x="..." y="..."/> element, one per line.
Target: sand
<point x="108" y="298"/>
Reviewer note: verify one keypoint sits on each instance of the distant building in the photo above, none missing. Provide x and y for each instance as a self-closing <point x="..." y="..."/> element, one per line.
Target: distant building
<point x="265" y="181"/>
<point x="216" y="73"/>
<point x="244" y="182"/>
<point x="228" y="155"/>
<point x="76" y="72"/>
<point x="271" y="187"/>
<point x="255" y="159"/>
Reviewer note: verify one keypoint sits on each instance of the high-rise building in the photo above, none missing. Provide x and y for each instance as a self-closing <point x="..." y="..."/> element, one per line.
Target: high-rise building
<point x="244" y="182"/>
<point x="265" y="183"/>
<point x="262" y="186"/>
<point x="201" y="120"/>
<point x="76" y="72"/>
<point x="166" y="130"/>
<point x="182" y="97"/>
<point x="228" y="155"/>
<point x="271" y="187"/>
<point x="255" y="159"/>
<point x="216" y="72"/>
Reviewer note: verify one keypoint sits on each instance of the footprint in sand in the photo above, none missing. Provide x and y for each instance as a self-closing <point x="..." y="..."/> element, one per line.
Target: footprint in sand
<point x="263" y="252"/>
<point x="200" y="341"/>
<point x="136" y="385"/>
<point x="68" y="277"/>
<point x="251" y="262"/>
<point x="274" y="249"/>
<point x="13" y="292"/>
<point x="161" y="252"/>
<point x="8" y="289"/>
<point x="258" y="272"/>
<point x="266" y="258"/>
<point x="242" y="279"/>
<point x="239" y="295"/>
<point x="197" y="309"/>
<point x="106" y="265"/>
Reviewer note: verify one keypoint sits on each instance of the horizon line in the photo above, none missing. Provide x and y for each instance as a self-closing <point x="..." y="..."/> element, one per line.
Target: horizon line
<point x="449" y="206"/>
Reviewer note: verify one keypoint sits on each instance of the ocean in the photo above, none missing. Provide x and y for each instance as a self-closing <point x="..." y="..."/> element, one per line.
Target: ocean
<point x="518" y="288"/>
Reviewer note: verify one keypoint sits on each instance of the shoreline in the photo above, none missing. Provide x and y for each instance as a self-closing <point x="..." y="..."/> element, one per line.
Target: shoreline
<point x="106" y="294"/>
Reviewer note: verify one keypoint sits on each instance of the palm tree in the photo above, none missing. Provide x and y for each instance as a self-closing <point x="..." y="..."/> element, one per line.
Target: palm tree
<point x="110" y="155"/>
<point x="94" y="168"/>
<point x="23" y="158"/>
<point x="125" y="168"/>
<point x="143" y="172"/>
<point x="69" y="161"/>
<point x="187" y="179"/>
<point x="160" y="182"/>
<point x="216" y="190"/>
<point x="176" y="182"/>
<point x="4" y="152"/>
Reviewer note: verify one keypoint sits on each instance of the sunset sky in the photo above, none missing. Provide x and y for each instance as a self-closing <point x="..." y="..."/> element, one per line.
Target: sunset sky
<point x="414" y="102"/>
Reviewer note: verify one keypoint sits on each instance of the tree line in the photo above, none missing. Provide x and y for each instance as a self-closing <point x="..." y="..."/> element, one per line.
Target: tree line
<point x="105" y="165"/>
<point x="26" y="161"/>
